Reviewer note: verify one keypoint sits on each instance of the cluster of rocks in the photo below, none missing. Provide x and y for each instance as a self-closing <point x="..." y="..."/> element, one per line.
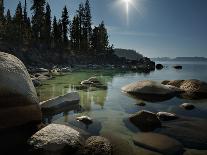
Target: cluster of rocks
<point x="160" y="66"/>
<point x="168" y="133"/>
<point x="91" y="83"/>
<point x="21" y="118"/>
<point x="154" y="91"/>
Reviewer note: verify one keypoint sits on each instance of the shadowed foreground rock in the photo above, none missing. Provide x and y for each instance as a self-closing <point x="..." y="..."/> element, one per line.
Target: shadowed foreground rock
<point x="18" y="98"/>
<point x="158" y="143"/>
<point x="145" y="120"/>
<point x="56" y="138"/>
<point x="97" y="145"/>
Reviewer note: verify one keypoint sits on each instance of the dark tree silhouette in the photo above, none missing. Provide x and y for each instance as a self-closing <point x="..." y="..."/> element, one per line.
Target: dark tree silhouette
<point x="47" y="25"/>
<point x="75" y="33"/>
<point x="65" y="24"/>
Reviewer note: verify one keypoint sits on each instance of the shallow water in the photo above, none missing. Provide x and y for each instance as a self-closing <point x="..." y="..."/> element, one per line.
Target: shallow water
<point x="110" y="108"/>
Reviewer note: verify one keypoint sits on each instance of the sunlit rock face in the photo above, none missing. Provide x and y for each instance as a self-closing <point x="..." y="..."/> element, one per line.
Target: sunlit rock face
<point x="149" y="91"/>
<point x="19" y="103"/>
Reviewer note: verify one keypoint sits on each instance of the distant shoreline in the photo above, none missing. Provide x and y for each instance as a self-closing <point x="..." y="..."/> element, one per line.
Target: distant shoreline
<point x="197" y="59"/>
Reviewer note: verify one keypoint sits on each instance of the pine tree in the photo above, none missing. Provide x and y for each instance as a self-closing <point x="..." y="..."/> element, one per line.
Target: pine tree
<point x="74" y="33"/>
<point x="47" y="25"/>
<point x="8" y="27"/>
<point x="26" y="26"/>
<point x="81" y="22"/>
<point x="100" y="40"/>
<point x="2" y="30"/>
<point x="87" y="24"/>
<point x="18" y="22"/>
<point x="65" y="24"/>
<point x="57" y="33"/>
<point x="38" y="9"/>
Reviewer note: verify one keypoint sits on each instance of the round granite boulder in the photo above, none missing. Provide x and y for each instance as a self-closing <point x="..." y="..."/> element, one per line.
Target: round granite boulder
<point x="149" y="91"/>
<point x="97" y="145"/>
<point x="56" y="138"/>
<point x="19" y="103"/>
<point x="145" y="120"/>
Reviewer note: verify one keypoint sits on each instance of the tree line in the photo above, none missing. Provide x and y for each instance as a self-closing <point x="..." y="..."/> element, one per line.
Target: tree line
<point x="41" y="30"/>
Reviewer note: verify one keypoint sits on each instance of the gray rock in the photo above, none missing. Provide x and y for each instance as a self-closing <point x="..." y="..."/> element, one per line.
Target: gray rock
<point x="94" y="80"/>
<point x="61" y="102"/>
<point x="56" y="138"/>
<point x="36" y="82"/>
<point x="159" y="66"/>
<point x="19" y="101"/>
<point x="97" y="145"/>
<point x="178" y="67"/>
<point x="187" y="106"/>
<point x="85" y="119"/>
<point x="149" y="91"/>
<point x="145" y="120"/>
<point x="165" y="116"/>
<point x="192" y="89"/>
<point x="158" y="143"/>
<point x="86" y="82"/>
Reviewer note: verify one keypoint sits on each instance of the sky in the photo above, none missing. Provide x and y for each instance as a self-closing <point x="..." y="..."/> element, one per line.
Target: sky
<point x="154" y="28"/>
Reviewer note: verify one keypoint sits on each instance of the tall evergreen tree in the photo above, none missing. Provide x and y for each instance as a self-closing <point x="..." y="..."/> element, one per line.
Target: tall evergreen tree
<point x="9" y="27"/>
<point x="47" y="25"/>
<point x="100" y="40"/>
<point x="18" y="22"/>
<point x="65" y="24"/>
<point x="38" y="8"/>
<point x="74" y="33"/>
<point x="81" y="22"/>
<point x="57" y="33"/>
<point x="87" y="24"/>
<point x="2" y="30"/>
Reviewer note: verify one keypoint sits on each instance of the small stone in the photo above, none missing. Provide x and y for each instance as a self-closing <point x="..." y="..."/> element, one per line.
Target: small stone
<point x="165" y="116"/>
<point x="85" y="119"/>
<point x="187" y="106"/>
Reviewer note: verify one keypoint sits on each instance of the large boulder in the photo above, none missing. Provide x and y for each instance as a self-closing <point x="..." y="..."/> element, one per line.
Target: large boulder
<point x="149" y="91"/>
<point x="97" y="145"/>
<point x="18" y="97"/>
<point x="158" y="143"/>
<point x="56" y="138"/>
<point x="145" y="120"/>
<point x="60" y="103"/>
<point x="187" y="106"/>
<point x="193" y="89"/>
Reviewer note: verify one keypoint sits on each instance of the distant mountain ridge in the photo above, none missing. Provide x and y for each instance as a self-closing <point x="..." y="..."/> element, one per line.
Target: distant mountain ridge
<point x="179" y="59"/>
<point x="128" y="54"/>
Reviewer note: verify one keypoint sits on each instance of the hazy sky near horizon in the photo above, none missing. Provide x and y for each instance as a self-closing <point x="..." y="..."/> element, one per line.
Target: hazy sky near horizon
<point x="155" y="28"/>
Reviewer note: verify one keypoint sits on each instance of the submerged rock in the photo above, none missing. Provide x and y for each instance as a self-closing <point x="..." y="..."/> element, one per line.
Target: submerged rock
<point x="141" y="104"/>
<point x="149" y="91"/>
<point x="97" y="145"/>
<point x="187" y="106"/>
<point x="191" y="132"/>
<point x="85" y="119"/>
<point x="19" y="101"/>
<point x="158" y="143"/>
<point x="56" y="138"/>
<point x="61" y="102"/>
<point x="165" y="116"/>
<point x="145" y="120"/>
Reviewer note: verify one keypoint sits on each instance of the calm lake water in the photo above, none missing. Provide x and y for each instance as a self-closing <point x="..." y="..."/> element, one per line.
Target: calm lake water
<point x="111" y="108"/>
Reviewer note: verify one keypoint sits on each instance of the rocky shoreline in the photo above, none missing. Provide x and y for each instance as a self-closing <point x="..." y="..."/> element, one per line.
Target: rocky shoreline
<point x="21" y="127"/>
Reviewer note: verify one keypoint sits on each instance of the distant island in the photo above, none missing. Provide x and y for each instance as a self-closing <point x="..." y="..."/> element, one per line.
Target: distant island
<point x="179" y="59"/>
